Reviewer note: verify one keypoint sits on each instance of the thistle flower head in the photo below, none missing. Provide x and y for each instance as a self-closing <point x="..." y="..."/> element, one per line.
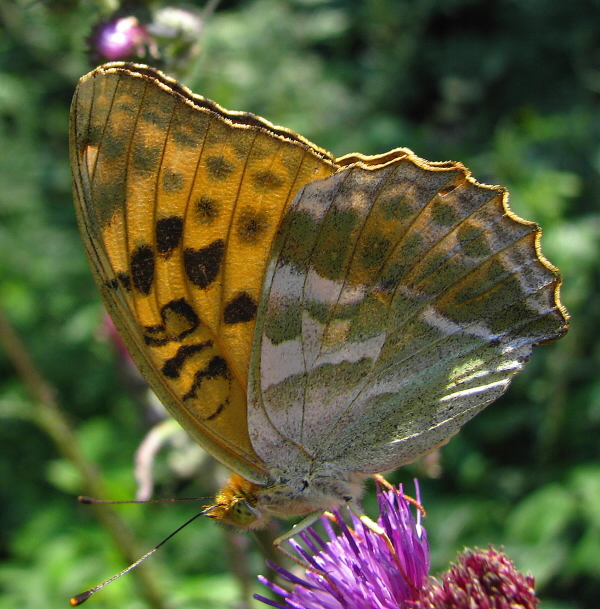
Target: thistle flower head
<point x="360" y="568"/>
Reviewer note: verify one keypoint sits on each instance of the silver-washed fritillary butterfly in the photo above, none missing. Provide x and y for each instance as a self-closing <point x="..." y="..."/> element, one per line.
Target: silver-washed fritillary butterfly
<point x="310" y="321"/>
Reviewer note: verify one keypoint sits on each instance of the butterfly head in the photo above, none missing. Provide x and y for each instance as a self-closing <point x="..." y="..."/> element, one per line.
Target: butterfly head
<point x="246" y="505"/>
<point x="236" y="505"/>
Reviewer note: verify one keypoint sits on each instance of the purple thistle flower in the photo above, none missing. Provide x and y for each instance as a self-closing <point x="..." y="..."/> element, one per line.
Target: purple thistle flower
<point x="363" y="571"/>
<point x="119" y="38"/>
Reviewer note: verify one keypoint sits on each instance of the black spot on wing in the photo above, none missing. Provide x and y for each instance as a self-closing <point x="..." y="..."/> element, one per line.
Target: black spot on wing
<point x="153" y="341"/>
<point x="216" y="413"/>
<point x="179" y="319"/>
<point x="218" y="167"/>
<point x="202" y="266"/>
<point x="124" y="280"/>
<point x="155" y="335"/>
<point x="173" y="365"/>
<point x="207" y="210"/>
<point x="251" y="226"/>
<point x="216" y="368"/>
<point x="168" y="234"/>
<point x="142" y="268"/>
<point x="240" y="309"/>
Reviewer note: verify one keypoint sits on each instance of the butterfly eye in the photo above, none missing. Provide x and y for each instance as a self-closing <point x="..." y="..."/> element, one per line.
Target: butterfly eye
<point x="241" y="513"/>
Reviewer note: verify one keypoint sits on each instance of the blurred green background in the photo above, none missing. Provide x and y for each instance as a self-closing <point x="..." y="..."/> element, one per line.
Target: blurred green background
<point x="510" y="88"/>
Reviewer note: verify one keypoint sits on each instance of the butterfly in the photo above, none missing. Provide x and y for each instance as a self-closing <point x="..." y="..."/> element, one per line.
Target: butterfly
<point x="310" y="321"/>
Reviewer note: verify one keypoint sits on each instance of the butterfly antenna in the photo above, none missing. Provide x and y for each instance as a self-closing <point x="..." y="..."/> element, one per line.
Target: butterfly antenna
<point x="81" y="598"/>
<point x="91" y="501"/>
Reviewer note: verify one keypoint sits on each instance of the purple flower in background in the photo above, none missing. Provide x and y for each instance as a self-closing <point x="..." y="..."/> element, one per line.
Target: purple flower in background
<point x="120" y="38"/>
<point x="365" y="569"/>
<point x="167" y="36"/>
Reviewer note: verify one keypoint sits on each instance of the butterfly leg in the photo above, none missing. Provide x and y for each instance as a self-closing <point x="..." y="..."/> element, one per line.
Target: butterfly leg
<point x="297" y="528"/>
<point x="370" y="524"/>
<point x="381" y="480"/>
<point x="312" y="518"/>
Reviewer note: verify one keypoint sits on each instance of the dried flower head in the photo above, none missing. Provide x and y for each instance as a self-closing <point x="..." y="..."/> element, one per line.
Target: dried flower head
<point x="484" y="579"/>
